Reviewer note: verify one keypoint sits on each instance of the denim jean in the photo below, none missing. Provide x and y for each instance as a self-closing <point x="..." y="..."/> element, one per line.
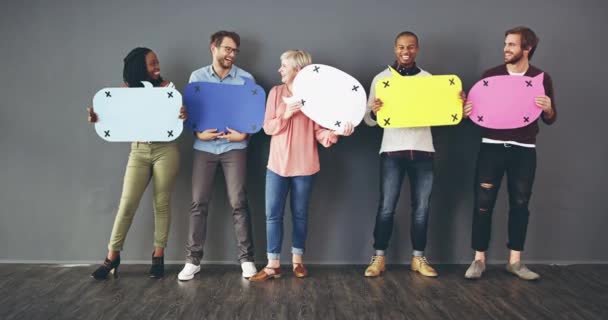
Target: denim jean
<point x="493" y="161"/>
<point x="277" y="187"/>
<point x="392" y="172"/>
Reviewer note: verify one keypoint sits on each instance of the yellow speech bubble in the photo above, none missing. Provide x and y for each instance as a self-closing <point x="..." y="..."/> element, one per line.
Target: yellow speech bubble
<point x="419" y="101"/>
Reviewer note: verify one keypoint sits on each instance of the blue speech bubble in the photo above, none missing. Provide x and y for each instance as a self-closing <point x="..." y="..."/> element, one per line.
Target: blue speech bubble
<point x="138" y="114"/>
<point x="217" y="106"/>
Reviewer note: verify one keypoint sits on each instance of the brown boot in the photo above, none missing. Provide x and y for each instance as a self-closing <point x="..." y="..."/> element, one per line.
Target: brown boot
<point x="422" y="265"/>
<point x="376" y="266"/>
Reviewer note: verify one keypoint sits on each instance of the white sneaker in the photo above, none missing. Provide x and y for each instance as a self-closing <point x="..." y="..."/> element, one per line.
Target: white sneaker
<point x="249" y="269"/>
<point x="188" y="272"/>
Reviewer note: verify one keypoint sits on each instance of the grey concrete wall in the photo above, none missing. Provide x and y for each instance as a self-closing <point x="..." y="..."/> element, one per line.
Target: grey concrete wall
<point x="60" y="184"/>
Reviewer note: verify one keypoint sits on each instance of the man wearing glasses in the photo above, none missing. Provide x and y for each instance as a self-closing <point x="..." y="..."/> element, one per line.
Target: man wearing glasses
<point x="213" y="148"/>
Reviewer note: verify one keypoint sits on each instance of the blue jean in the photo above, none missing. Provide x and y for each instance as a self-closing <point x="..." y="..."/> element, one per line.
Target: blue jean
<point x="277" y="188"/>
<point x="392" y="172"/>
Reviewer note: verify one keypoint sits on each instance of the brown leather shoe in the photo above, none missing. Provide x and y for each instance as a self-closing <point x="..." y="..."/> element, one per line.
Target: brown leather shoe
<point x="299" y="270"/>
<point x="266" y="274"/>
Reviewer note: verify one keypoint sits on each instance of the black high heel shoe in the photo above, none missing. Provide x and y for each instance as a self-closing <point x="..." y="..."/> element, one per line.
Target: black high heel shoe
<point x="108" y="266"/>
<point x="157" y="270"/>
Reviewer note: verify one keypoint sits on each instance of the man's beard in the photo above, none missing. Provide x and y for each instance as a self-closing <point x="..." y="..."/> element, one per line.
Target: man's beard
<point x="515" y="58"/>
<point x="224" y="63"/>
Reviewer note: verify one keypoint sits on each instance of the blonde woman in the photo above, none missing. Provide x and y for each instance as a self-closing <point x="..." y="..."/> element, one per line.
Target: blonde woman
<point x="292" y="165"/>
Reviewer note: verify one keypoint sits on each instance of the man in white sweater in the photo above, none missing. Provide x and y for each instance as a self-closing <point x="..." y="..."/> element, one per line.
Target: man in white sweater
<point x="404" y="151"/>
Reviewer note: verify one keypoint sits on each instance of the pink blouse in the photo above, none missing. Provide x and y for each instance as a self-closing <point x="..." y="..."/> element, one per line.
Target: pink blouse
<point x="293" y="146"/>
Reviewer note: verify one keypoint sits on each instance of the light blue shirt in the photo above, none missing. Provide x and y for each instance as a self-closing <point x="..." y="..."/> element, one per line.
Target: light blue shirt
<point x="234" y="76"/>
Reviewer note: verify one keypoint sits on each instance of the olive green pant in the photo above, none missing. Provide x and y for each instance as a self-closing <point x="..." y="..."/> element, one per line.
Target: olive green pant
<point x="158" y="162"/>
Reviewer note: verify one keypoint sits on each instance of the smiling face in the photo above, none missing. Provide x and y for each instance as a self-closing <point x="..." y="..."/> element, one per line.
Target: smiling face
<point x="513" y="52"/>
<point x="225" y="54"/>
<point x="152" y="66"/>
<point x="406" y="49"/>
<point x="288" y="71"/>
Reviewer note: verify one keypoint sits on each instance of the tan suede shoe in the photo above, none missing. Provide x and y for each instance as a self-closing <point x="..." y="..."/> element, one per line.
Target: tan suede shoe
<point x="420" y="264"/>
<point x="376" y="266"/>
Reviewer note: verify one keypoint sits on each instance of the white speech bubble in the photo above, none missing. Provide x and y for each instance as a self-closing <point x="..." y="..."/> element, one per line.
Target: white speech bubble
<point x="138" y="114"/>
<point x="330" y="97"/>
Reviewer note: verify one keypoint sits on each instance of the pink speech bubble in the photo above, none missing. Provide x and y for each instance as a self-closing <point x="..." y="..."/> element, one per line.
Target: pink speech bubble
<point x="506" y="102"/>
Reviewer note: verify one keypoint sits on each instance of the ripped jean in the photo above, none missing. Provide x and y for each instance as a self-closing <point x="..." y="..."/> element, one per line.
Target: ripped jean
<point x="493" y="161"/>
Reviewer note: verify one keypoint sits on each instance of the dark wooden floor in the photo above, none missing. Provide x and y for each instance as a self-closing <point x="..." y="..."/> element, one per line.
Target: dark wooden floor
<point x="340" y="292"/>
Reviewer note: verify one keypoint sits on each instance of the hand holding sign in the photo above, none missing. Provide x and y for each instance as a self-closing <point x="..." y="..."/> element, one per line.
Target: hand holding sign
<point x="419" y="101"/>
<point x="292" y="107"/>
<point x="220" y="106"/>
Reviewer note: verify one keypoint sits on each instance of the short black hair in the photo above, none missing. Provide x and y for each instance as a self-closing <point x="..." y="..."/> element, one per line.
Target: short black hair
<point x="407" y="33"/>
<point x="217" y="37"/>
<point x="135" y="70"/>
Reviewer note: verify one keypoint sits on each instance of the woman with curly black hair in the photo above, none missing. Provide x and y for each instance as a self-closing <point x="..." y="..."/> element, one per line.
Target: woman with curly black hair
<point x="148" y="161"/>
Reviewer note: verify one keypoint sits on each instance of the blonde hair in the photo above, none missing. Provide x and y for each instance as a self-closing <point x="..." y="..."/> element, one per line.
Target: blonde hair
<point x="297" y="58"/>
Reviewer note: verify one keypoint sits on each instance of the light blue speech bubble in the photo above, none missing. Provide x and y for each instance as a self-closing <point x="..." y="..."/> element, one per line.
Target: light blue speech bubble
<point x="138" y="114"/>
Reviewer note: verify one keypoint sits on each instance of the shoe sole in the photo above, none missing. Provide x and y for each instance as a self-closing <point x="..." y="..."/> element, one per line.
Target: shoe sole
<point x="425" y="275"/>
<point x="516" y="275"/>
<point x="374" y="276"/>
<point x="113" y="272"/>
<point x="274" y="276"/>
<point x="472" y="277"/>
